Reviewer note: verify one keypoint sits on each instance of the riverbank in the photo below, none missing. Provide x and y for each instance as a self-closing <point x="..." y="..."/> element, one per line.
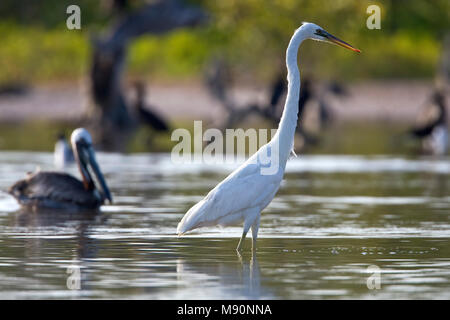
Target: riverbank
<point x="394" y="101"/>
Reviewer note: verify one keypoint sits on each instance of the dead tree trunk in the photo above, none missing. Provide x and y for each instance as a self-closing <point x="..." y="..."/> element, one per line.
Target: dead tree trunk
<point x="110" y="120"/>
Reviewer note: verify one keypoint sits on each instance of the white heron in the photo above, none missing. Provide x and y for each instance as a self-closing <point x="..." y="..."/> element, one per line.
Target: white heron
<point x="249" y="189"/>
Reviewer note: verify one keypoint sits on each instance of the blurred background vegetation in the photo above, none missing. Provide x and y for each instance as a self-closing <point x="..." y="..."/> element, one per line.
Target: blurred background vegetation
<point x="36" y="45"/>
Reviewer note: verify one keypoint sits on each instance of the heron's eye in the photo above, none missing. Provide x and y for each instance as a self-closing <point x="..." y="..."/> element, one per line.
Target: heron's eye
<point x="319" y="32"/>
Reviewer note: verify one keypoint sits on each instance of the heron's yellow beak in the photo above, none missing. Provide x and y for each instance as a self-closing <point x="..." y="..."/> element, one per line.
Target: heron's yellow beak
<point x="339" y="42"/>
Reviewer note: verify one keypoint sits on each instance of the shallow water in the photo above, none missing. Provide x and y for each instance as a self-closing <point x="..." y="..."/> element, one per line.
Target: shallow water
<point x="333" y="217"/>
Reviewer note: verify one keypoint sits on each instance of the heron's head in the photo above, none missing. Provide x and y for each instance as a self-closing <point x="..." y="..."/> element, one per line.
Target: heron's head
<point x="318" y="33"/>
<point x="84" y="153"/>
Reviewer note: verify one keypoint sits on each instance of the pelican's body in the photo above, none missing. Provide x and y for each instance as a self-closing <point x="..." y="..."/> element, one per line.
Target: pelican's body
<point x="250" y="188"/>
<point x="57" y="190"/>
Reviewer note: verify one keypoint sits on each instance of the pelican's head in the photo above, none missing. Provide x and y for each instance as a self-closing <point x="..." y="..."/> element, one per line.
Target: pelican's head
<point x="318" y="33"/>
<point x="84" y="154"/>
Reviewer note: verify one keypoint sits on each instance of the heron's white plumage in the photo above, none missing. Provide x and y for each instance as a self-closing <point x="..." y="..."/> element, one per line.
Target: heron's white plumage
<point x="243" y="189"/>
<point x="249" y="189"/>
<point x="246" y="191"/>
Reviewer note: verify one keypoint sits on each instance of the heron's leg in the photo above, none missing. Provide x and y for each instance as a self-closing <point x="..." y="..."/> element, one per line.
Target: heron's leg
<point x="255" y="228"/>
<point x="239" y="255"/>
<point x="250" y="216"/>
<point x="241" y="241"/>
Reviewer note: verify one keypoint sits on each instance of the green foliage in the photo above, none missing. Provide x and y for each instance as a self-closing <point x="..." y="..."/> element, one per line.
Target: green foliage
<point x="251" y="34"/>
<point x="32" y="54"/>
<point x="181" y="54"/>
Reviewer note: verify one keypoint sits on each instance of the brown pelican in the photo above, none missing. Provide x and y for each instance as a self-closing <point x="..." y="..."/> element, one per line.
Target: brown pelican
<point x="57" y="190"/>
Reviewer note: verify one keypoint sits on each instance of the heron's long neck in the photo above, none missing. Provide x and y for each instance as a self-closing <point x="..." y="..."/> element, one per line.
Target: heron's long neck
<point x="288" y="122"/>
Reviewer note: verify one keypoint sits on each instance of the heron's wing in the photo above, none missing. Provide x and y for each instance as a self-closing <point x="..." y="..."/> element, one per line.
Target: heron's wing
<point x="56" y="187"/>
<point x="243" y="189"/>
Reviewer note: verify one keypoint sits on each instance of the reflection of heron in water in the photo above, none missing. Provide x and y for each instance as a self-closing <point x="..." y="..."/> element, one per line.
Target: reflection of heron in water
<point x="432" y="129"/>
<point x="236" y="280"/>
<point x="63" y="154"/>
<point x="62" y="191"/>
<point x="250" y="188"/>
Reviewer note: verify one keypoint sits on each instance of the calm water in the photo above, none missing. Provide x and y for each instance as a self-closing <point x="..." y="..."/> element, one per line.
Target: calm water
<point x="333" y="217"/>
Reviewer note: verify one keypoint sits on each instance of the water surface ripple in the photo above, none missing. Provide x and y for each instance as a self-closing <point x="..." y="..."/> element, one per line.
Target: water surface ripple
<point x="333" y="217"/>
